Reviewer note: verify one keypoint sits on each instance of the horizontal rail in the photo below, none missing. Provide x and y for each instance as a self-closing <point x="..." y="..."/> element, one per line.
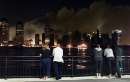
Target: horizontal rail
<point x="52" y="56"/>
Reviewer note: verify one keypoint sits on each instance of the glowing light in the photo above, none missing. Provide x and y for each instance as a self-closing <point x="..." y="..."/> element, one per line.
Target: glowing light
<point x="69" y="46"/>
<point x="47" y="40"/>
<point x="93" y="32"/>
<point x="29" y="43"/>
<point x="10" y="45"/>
<point x="1" y="44"/>
<point x="55" y="42"/>
<point x="80" y="66"/>
<point x="68" y="65"/>
<point x="82" y="46"/>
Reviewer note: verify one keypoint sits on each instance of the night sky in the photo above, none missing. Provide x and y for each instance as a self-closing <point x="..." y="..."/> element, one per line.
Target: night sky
<point x="24" y="10"/>
<point x="29" y="9"/>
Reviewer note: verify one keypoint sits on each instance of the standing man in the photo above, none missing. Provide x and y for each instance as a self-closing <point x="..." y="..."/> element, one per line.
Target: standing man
<point x="118" y="53"/>
<point x="58" y="60"/>
<point x="98" y="56"/>
<point x="108" y="53"/>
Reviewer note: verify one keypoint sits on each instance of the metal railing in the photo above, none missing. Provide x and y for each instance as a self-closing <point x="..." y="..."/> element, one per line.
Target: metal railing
<point x="29" y="66"/>
<point x="19" y="66"/>
<point x="125" y="65"/>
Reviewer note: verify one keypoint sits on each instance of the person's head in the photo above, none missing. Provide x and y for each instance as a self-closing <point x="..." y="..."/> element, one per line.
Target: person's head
<point x="108" y="46"/>
<point x="45" y="46"/>
<point x="58" y="44"/>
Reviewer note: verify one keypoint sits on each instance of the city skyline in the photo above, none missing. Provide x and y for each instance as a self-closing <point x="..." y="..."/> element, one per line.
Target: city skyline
<point x="82" y="15"/>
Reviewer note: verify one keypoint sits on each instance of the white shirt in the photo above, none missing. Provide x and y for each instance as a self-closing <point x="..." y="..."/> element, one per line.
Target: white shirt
<point x="58" y="54"/>
<point x="108" y="52"/>
<point x="98" y="48"/>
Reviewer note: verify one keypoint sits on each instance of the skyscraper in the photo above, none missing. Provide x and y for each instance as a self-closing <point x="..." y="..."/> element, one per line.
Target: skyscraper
<point x="19" y="33"/>
<point x="43" y="38"/>
<point x="37" y="39"/>
<point x="4" y="31"/>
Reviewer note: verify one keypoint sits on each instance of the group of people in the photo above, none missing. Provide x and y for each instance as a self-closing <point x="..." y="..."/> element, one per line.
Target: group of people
<point x="46" y="59"/>
<point x="111" y="55"/>
<point x="99" y="54"/>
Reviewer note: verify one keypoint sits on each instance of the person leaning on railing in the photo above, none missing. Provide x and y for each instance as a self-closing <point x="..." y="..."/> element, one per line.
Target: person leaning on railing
<point x="98" y="56"/>
<point x="108" y="53"/>
<point x="58" y="60"/>
<point x="45" y="61"/>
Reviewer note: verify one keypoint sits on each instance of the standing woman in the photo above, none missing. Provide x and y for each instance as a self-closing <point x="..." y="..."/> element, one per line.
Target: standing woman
<point x="45" y="61"/>
<point x="98" y="56"/>
<point x="108" y="53"/>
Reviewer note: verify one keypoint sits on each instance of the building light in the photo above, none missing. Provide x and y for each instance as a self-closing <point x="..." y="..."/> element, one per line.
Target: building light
<point x="83" y="46"/>
<point x="47" y="40"/>
<point x="69" y="46"/>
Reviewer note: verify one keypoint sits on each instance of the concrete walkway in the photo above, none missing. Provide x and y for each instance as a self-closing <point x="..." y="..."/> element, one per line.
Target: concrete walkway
<point x="125" y="78"/>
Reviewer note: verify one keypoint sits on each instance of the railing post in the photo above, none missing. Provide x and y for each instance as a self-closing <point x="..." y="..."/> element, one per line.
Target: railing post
<point x="40" y="66"/>
<point x="72" y="67"/>
<point x="6" y="62"/>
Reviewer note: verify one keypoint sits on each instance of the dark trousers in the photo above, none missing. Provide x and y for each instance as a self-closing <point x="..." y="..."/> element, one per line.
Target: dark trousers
<point x="118" y="68"/>
<point x="45" y="66"/>
<point x="58" y="70"/>
<point x="98" y="66"/>
<point x="109" y="60"/>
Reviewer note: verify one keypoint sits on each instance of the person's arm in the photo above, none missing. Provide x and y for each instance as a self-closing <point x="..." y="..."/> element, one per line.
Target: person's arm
<point x="62" y="52"/>
<point x="50" y="55"/>
<point x="62" y="56"/>
<point x="53" y="52"/>
<point x="102" y="52"/>
<point x="105" y="52"/>
<point x="112" y="52"/>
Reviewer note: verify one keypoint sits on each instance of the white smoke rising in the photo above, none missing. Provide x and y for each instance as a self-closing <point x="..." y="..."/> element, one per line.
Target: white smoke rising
<point x="31" y="29"/>
<point x="99" y="15"/>
<point x="12" y="33"/>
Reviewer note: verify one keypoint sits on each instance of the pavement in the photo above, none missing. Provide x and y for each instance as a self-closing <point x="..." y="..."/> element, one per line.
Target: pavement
<point x="125" y="78"/>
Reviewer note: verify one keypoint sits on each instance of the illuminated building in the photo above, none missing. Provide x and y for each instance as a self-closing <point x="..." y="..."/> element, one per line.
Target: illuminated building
<point x="37" y="39"/>
<point x="43" y="37"/>
<point x="4" y="31"/>
<point x="52" y="38"/>
<point x="19" y="33"/>
<point x="69" y="49"/>
<point x="50" y="34"/>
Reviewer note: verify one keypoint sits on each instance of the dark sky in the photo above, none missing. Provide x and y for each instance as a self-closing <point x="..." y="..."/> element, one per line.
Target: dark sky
<point x="28" y="9"/>
<point x="24" y="10"/>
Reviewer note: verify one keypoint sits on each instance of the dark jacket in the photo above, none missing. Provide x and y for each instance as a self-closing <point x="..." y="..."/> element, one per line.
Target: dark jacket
<point x="45" y="53"/>
<point x="118" y="53"/>
<point x="98" y="54"/>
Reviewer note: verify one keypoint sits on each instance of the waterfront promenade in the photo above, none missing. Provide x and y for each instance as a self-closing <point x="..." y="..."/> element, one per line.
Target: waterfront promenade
<point x="125" y="78"/>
